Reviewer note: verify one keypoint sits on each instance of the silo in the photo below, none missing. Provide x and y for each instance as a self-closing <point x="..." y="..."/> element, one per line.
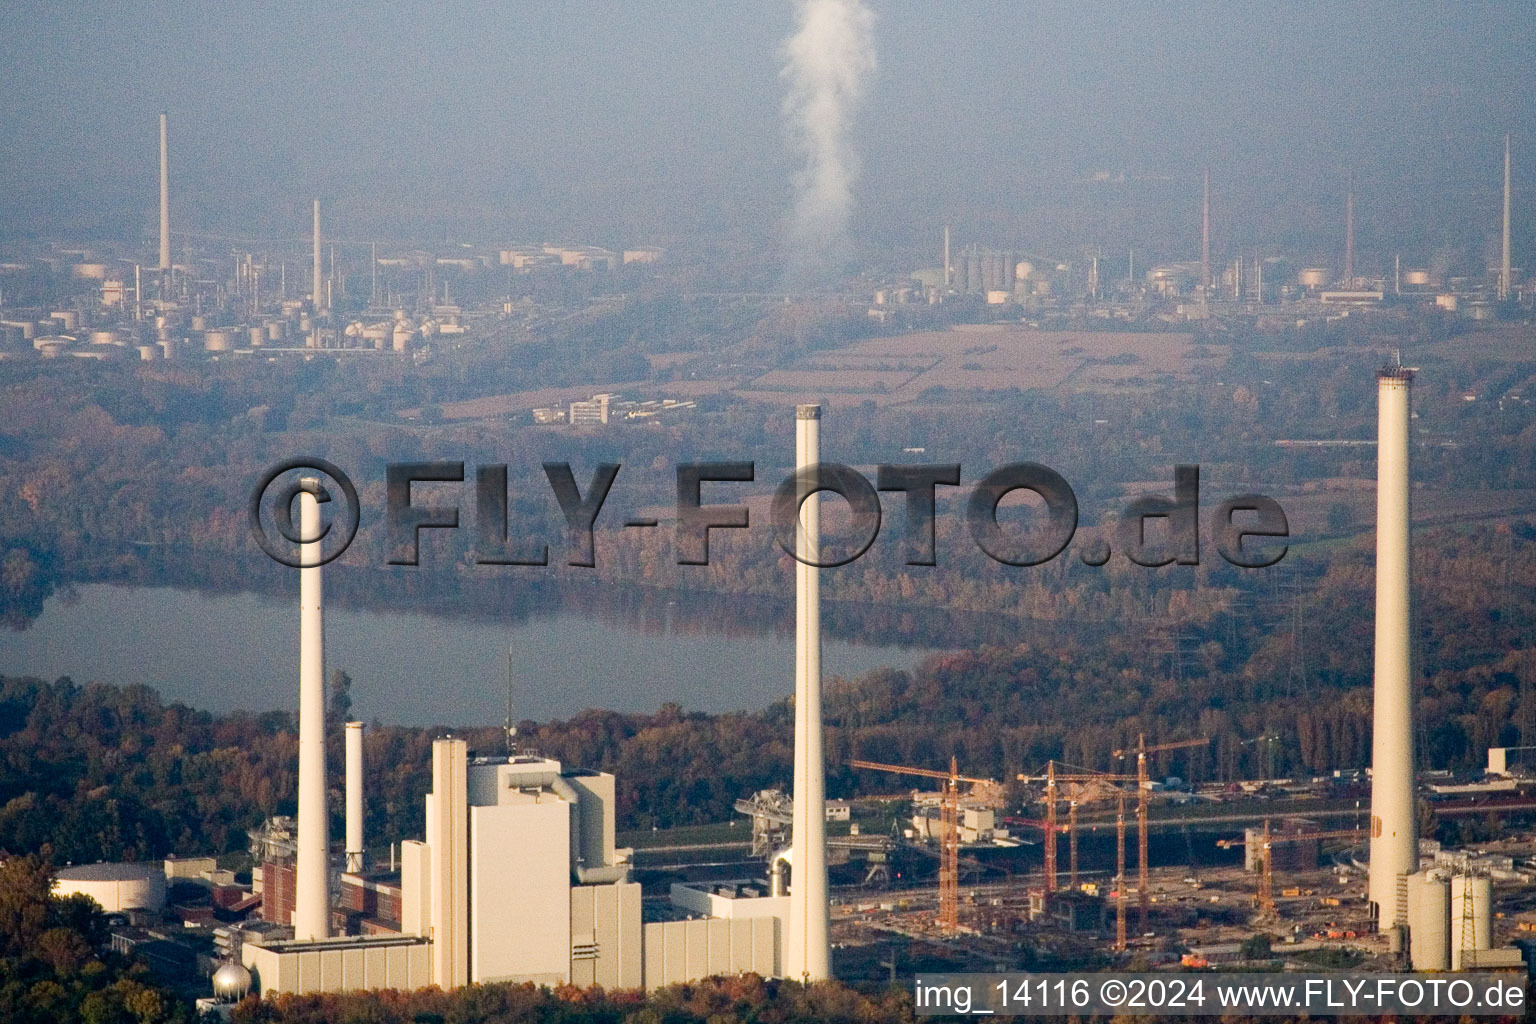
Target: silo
<point x="1471" y="916"/>
<point x="1429" y="919"/>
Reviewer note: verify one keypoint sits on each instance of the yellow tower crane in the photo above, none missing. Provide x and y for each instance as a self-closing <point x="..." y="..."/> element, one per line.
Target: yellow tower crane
<point x="949" y="832"/>
<point x="1268" y="841"/>
<point x="1052" y="778"/>
<point x="1143" y="788"/>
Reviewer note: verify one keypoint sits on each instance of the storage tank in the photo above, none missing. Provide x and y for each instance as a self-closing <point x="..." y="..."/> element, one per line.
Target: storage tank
<point x="258" y="337"/>
<point x="91" y="271"/>
<point x="149" y="353"/>
<point x="218" y="340"/>
<point x="1471" y="916"/>
<point x="1416" y="278"/>
<point x="199" y="322"/>
<point x="403" y="336"/>
<point x="68" y="319"/>
<point x="277" y="330"/>
<point x="116" y="886"/>
<point x="1312" y="277"/>
<point x="1429" y="917"/>
<point x="105" y="338"/>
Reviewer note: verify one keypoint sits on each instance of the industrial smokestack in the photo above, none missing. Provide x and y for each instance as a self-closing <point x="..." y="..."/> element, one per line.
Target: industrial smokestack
<point x="807" y="953"/>
<point x="1205" y="239"/>
<point x="1349" y="232"/>
<point x="946" y="251"/>
<point x="1394" y="839"/>
<point x="354" y="761"/>
<point x="1504" y="258"/>
<point x="312" y="904"/>
<point x="165" y="195"/>
<point x="317" y="292"/>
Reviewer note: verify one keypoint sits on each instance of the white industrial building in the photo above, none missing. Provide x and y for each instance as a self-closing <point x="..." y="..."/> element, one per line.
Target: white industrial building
<point x="518" y="878"/>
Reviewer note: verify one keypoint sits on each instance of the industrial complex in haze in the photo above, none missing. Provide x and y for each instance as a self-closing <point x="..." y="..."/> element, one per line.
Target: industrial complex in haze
<point x="532" y="869"/>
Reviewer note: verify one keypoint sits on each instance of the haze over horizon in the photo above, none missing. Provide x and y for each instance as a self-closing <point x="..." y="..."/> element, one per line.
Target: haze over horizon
<point x="1052" y="127"/>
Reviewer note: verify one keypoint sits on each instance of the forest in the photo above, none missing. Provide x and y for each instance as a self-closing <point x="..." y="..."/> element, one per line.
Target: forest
<point x="106" y="771"/>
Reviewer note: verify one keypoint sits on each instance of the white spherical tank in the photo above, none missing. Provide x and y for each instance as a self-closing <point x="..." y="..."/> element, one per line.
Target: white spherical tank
<point x="115" y="886"/>
<point x="231" y="982"/>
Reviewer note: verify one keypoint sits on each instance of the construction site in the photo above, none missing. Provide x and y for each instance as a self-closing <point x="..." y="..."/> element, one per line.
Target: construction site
<point x="1069" y="867"/>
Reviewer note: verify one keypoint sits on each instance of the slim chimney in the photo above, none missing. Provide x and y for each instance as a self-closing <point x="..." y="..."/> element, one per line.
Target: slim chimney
<point x="354" y="756"/>
<point x="1504" y="260"/>
<point x="1205" y="240"/>
<point x="312" y="904"/>
<point x="946" y="255"/>
<point x="165" y="195"/>
<point x="1394" y="841"/>
<point x="807" y="951"/>
<point x="1349" y="233"/>
<point x="317" y="292"/>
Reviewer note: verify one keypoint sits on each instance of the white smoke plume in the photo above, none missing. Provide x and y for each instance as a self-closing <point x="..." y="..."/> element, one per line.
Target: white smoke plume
<point x="827" y="63"/>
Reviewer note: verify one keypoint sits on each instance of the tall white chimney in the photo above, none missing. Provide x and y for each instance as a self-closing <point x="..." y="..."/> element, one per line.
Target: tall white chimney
<point x="1504" y="259"/>
<point x="1349" y="232"/>
<point x="312" y="904"/>
<point x="165" y="195"/>
<point x="1394" y="838"/>
<point x="354" y="761"/>
<point x="1205" y="238"/>
<point x="807" y="951"/>
<point x="317" y="292"/>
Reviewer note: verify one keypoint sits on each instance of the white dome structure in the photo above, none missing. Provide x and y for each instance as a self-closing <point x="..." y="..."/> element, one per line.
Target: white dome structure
<point x="231" y="982"/>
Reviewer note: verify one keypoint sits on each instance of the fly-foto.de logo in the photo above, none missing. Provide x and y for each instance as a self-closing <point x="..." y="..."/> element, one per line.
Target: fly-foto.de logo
<point x="1244" y="528"/>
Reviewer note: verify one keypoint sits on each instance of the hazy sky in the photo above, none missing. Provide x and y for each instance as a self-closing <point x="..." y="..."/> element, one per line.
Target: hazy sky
<point x="646" y="121"/>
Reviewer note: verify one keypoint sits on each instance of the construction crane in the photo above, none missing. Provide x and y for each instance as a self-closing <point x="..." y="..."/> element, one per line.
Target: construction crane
<point x="949" y="832"/>
<point x="1051" y="778"/>
<point x="1143" y="789"/>
<point x="1120" y="874"/>
<point x="1268" y="841"/>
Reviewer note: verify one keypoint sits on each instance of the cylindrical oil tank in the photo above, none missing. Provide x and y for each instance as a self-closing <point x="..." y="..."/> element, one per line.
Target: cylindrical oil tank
<point x="117" y="887"/>
<point x="402" y="338"/>
<point x="258" y="337"/>
<point x="1471" y="916"/>
<point x="199" y="322"/>
<point x="1312" y="277"/>
<point x="1416" y="278"/>
<point x="91" y="271"/>
<point x="149" y="353"/>
<point x="218" y="340"/>
<point x="1429" y="918"/>
<point x="67" y="319"/>
<point x="277" y="330"/>
<point x="105" y="338"/>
